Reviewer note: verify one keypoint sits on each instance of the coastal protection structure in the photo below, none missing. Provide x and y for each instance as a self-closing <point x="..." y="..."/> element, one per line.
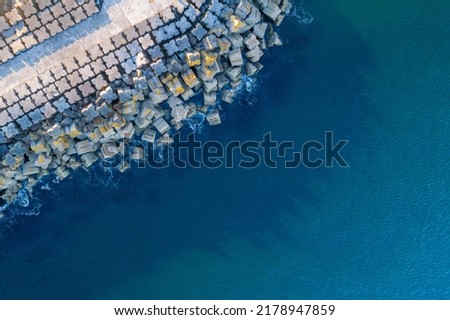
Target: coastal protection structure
<point x="80" y="78"/>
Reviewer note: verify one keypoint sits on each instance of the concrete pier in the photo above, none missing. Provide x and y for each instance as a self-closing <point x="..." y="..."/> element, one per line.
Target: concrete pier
<point x="79" y="76"/>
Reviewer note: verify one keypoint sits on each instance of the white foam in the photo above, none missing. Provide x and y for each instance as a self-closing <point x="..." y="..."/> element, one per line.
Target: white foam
<point x="302" y="16"/>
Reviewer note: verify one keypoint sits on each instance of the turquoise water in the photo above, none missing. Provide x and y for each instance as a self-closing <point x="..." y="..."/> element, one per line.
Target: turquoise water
<point x="374" y="73"/>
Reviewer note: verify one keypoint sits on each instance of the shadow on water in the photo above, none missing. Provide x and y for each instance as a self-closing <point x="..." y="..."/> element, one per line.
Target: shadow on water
<point x="88" y="238"/>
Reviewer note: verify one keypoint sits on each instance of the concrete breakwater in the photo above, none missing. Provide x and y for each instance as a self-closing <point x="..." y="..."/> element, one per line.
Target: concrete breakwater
<point x="98" y="73"/>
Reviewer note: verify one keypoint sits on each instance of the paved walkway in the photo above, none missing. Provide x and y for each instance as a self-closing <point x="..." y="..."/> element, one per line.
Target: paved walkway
<point x="115" y="17"/>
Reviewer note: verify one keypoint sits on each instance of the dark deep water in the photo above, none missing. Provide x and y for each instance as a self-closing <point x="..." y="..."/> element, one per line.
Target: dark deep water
<point x="375" y="73"/>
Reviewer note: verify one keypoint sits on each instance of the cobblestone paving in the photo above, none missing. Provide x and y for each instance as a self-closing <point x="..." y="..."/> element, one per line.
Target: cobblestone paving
<point x="70" y="67"/>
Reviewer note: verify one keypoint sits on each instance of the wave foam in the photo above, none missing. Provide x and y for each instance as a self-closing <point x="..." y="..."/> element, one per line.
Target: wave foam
<point x="196" y="122"/>
<point x="246" y="90"/>
<point x="23" y="205"/>
<point x="302" y="16"/>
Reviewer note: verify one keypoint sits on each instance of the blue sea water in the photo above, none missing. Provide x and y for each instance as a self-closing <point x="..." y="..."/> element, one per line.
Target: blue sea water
<point x="374" y="72"/>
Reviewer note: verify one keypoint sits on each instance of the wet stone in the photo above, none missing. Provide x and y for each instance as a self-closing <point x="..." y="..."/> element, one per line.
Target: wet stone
<point x="156" y="53"/>
<point x="140" y="83"/>
<point x="183" y="43"/>
<point x="3" y="140"/>
<point x="199" y="32"/>
<point x="89" y="112"/>
<point x="158" y="67"/>
<point x="122" y="54"/>
<point x="83" y="147"/>
<point x="254" y="55"/>
<point x="236" y="58"/>
<point x="159" y="35"/>
<point x="183" y="24"/>
<point x="272" y="10"/>
<point x="129" y="66"/>
<point x="236" y="40"/>
<point x="174" y="66"/>
<point x="260" y="29"/>
<point x="251" y="41"/>
<point x="214" y="118"/>
<point x="210" y="20"/>
<point x="171" y="31"/>
<point x="250" y="69"/>
<point x="109" y="150"/>
<point x="209" y="98"/>
<point x="108" y="95"/>
<point x="61" y="104"/>
<point x="104" y="109"/>
<point x="161" y="125"/>
<point x="134" y="48"/>
<point x="24" y="122"/>
<point x="149" y="135"/>
<point x="36" y="116"/>
<point x="171" y="47"/>
<point x="125" y="94"/>
<point x="191" y="13"/>
<point x="55" y="131"/>
<point x="254" y="17"/>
